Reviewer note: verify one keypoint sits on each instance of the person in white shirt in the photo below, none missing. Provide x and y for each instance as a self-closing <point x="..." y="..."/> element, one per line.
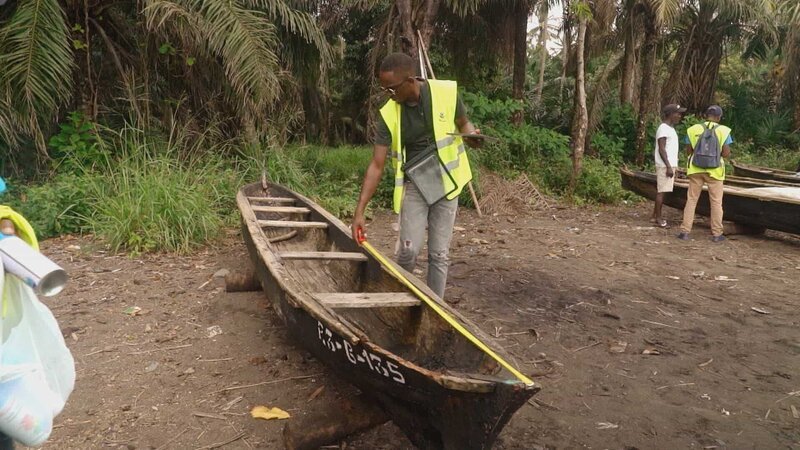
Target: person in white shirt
<point x="666" y="156"/>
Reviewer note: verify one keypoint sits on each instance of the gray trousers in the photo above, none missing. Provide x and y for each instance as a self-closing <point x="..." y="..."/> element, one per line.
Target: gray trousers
<point x="415" y="215"/>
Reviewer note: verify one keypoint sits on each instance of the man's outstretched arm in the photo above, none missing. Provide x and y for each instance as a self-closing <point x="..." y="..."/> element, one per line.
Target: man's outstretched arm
<point x="368" y="187"/>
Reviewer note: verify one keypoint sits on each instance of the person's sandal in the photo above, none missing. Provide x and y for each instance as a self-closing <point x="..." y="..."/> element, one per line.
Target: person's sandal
<point x="683" y="236"/>
<point x="662" y="223"/>
<point x="718" y="239"/>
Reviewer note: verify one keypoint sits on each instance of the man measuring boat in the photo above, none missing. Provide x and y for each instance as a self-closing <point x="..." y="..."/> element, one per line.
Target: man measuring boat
<point x="431" y="167"/>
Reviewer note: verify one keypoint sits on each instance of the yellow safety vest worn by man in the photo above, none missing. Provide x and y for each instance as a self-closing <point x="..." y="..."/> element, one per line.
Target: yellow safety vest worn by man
<point x="416" y="125"/>
<point x="711" y="177"/>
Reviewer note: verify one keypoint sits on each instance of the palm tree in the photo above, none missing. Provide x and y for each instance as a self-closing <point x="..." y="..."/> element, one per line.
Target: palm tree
<point x="229" y="57"/>
<point x="789" y="12"/>
<point x="580" y="120"/>
<point x="37" y="61"/>
<point x="544" y="34"/>
<point x="704" y="28"/>
<point x="522" y="12"/>
<point x="655" y="14"/>
<point x="628" y="25"/>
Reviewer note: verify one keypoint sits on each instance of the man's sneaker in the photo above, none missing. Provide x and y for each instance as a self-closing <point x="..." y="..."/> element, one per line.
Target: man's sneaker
<point x="683" y="236"/>
<point x="719" y="238"/>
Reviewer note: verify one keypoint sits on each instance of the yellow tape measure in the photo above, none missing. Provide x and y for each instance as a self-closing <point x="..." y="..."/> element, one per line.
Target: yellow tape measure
<point x="443" y="314"/>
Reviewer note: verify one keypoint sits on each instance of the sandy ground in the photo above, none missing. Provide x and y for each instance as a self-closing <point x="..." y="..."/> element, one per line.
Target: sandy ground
<point x="639" y="340"/>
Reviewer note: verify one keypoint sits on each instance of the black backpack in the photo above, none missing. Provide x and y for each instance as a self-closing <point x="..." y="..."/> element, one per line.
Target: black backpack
<point x="707" y="150"/>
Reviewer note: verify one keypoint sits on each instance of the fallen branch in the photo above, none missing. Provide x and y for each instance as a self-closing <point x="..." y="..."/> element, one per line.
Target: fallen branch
<point x="103" y="350"/>
<point x="230" y="404"/>
<point x="674" y="385"/>
<point x="536" y="403"/>
<point x="659" y="323"/>
<point x="209" y="415"/>
<point x="224" y="443"/>
<point x="160" y="349"/>
<point x="585" y="347"/>
<point x="790" y="394"/>
<point x="263" y="383"/>
<point x="164" y="445"/>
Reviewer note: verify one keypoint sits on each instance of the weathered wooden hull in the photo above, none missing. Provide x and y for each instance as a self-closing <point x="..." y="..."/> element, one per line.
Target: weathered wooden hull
<point x="436" y="409"/>
<point x="745" y="182"/>
<point x="764" y="173"/>
<point x="738" y="205"/>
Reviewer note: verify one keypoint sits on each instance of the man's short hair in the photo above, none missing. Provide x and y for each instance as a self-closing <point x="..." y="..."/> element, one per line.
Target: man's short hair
<point x="399" y="63"/>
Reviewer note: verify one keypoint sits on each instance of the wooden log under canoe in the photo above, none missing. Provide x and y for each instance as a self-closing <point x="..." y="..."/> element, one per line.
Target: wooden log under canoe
<point x="745" y="206"/>
<point x="764" y="173"/>
<point x="440" y="388"/>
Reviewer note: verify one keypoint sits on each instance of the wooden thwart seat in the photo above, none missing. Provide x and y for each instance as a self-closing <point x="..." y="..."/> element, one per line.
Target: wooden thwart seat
<point x="285" y="200"/>
<point x="282" y="209"/>
<point x="342" y="256"/>
<point x="291" y="224"/>
<point x="366" y="299"/>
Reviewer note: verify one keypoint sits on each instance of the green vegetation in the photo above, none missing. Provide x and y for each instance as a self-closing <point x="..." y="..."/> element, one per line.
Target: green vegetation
<point x="138" y="120"/>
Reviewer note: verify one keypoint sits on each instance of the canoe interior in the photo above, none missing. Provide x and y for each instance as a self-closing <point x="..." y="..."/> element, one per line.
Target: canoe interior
<point x="414" y="333"/>
<point x="744" y="181"/>
<point x="765" y="173"/>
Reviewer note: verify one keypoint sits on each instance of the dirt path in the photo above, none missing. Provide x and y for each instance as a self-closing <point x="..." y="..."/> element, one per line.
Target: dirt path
<point x="635" y="336"/>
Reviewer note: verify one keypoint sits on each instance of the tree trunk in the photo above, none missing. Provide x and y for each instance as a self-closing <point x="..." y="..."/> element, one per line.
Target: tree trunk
<point x="797" y="118"/>
<point x="416" y="15"/>
<point x="565" y="48"/>
<point x="628" y="64"/>
<point x="543" y="34"/>
<point x="693" y="78"/>
<point x="597" y="98"/>
<point x="408" y="37"/>
<point x="646" y="89"/>
<point x="425" y="25"/>
<point x="520" y="57"/>
<point x="694" y="74"/>
<point x="580" y="120"/>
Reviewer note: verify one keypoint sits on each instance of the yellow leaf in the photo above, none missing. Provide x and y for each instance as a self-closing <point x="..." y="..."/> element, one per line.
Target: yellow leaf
<point x="262" y="412"/>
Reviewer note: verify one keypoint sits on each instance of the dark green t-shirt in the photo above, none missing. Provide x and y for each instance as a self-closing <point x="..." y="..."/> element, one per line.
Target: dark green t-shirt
<point x="416" y="124"/>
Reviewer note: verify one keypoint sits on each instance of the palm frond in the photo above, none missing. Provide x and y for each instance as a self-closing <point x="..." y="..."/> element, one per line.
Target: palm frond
<point x="667" y="11"/>
<point x="599" y="91"/>
<point x="790" y="11"/>
<point x="243" y="39"/>
<point x="296" y="22"/>
<point x="464" y="8"/>
<point x="37" y="64"/>
<point x="9" y="128"/>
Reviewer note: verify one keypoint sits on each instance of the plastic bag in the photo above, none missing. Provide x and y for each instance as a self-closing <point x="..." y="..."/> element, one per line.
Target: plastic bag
<point x="37" y="372"/>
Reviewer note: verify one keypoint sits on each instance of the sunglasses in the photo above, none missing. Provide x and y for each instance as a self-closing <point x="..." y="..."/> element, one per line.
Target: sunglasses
<point x="391" y="90"/>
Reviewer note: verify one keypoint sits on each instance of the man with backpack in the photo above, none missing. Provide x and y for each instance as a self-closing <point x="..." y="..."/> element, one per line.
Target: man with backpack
<point x="707" y="144"/>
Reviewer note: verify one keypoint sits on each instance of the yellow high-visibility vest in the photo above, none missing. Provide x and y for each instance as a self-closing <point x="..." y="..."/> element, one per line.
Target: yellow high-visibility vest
<point x="444" y="95"/>
<point x="694" y="132"/>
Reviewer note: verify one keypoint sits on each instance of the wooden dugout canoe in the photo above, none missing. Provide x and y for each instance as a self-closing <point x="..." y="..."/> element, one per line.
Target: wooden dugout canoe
<point x="356" y="317"/>
<point x="744" y="182"/>
<point x="740" y="205"/>
<point x="765" y="173"/>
